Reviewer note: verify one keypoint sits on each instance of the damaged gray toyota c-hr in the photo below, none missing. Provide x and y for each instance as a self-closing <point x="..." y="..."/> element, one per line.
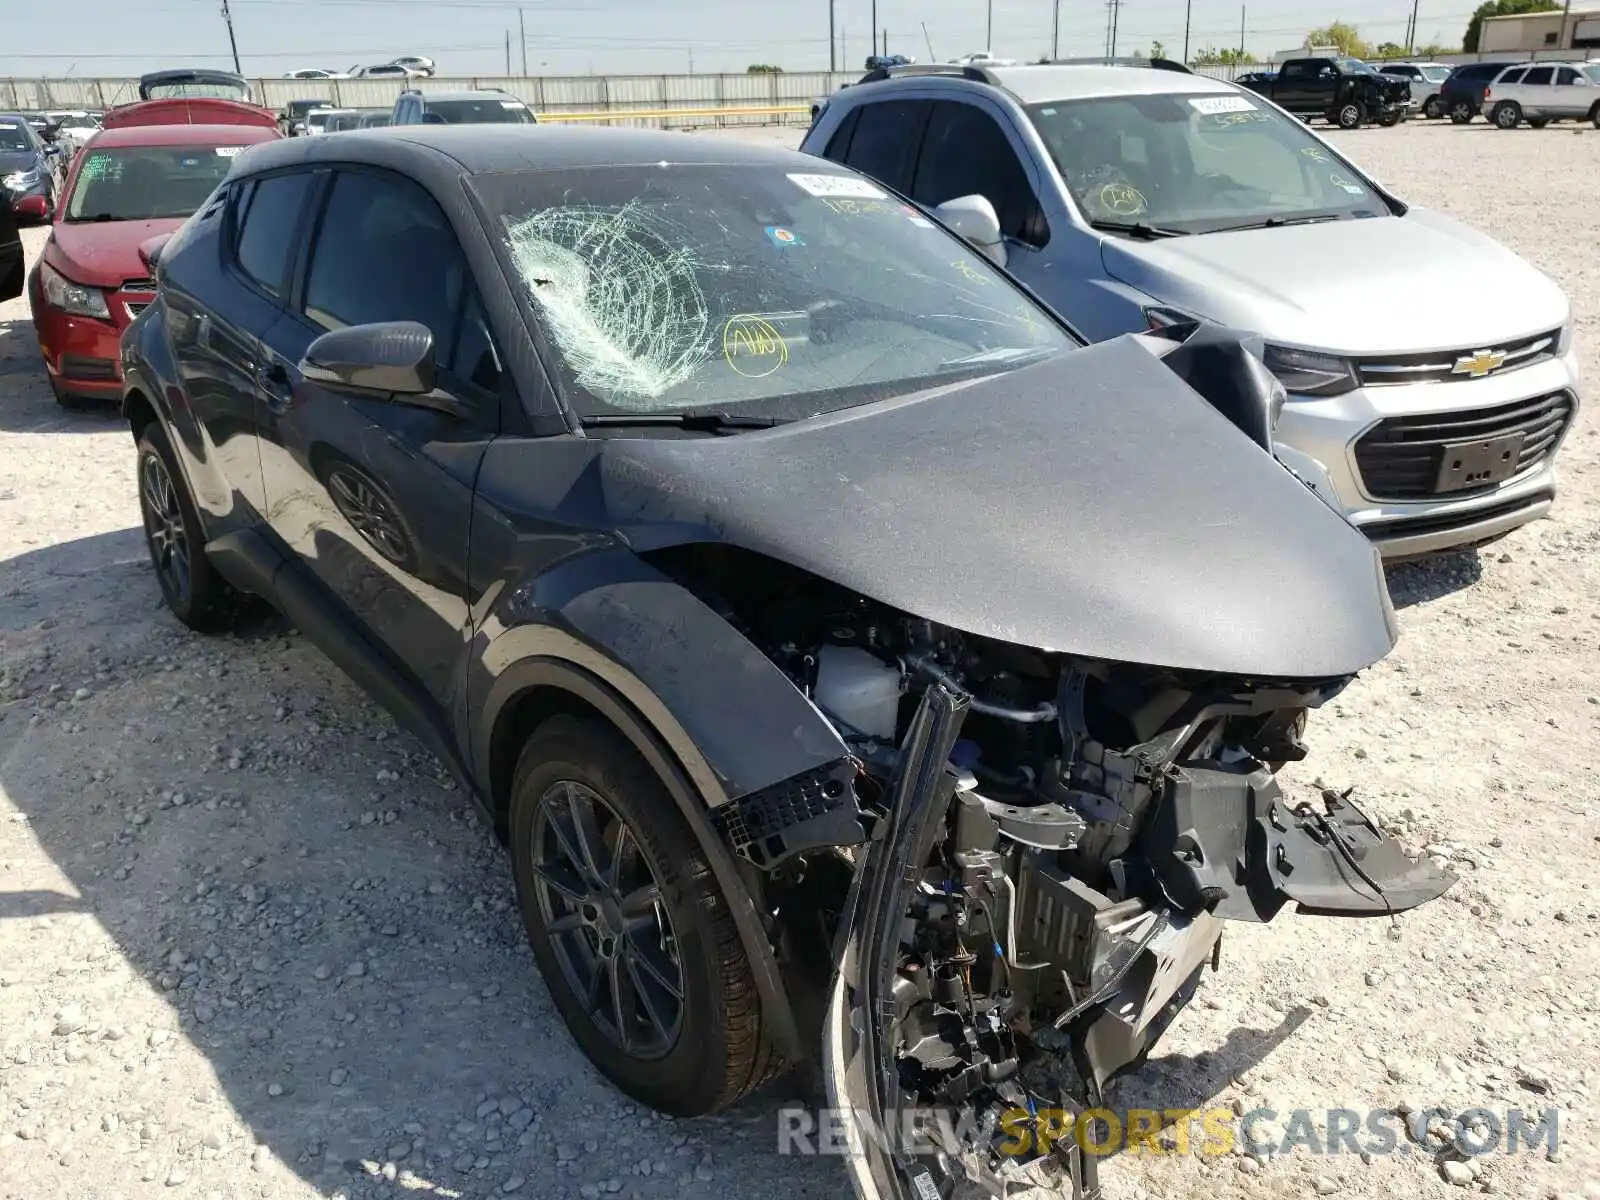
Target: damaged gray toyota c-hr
<point x="836" y="642"/>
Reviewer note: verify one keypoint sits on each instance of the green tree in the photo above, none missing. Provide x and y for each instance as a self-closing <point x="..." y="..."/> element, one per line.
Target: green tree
<point x="763" y="69"/>
<point x="1500" y="8"/>
<point x="1212" y="57"/>
<point x="1343" y="35"/>
<point x="1389" y="50"/>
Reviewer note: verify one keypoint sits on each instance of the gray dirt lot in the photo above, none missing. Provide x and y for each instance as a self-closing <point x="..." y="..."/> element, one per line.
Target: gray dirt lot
<point x="253" y="944"/>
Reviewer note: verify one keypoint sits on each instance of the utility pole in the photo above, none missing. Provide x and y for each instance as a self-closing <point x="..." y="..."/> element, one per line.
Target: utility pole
<point x="227" y="17"/>
<point x="988" y="37"/>
<point x="874" y="26"/>
<point x="508" y="52"/>
<point x="833" y="39"/>
<point x="691" y="60"/>
<point x="1566" y="15"/>
<point x="1188" y="8"/>
<point x="929" y="41"/>
<point x="522" y="33"/>
<point x="1241" y="33"/>
<point x="1055" y="31"/>
<point x="1116" y="22"/>
<point x="1411" y="40"/>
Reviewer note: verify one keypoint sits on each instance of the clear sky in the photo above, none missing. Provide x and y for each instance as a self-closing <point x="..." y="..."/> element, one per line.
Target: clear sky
<point x="127" y="37"/>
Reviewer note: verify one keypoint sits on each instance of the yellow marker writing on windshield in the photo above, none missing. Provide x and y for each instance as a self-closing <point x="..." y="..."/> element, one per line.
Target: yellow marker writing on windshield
<point x="753" y="346"/>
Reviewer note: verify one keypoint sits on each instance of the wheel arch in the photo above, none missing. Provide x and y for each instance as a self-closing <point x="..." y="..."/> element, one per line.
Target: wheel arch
<point x="537" y="689"/>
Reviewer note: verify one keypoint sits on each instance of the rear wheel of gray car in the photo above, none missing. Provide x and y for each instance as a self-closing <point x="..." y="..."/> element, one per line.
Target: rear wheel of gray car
<point x="1461" y="113"/>
<point x="1433" y="109"/>
<point x="1506" y="115"/>
<point x="1349" y="115"/>
<point x="196" y="594"/>
<point x="1594" y="116"/>
<point x="632" y="933"/>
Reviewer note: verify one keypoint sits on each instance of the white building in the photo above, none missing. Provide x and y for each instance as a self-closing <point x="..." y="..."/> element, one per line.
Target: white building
<point x="1526" y="33"/>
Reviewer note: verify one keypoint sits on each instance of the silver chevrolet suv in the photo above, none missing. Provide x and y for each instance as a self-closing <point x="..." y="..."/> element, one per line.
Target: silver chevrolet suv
<point x="1130" y="198"/>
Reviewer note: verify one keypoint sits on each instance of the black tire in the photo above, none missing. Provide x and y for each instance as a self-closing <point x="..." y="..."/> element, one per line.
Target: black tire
<point x="1390" y="120"/>
<point x="1433" y="108"/>
<point x="1594" y="116"/>
<point x="190" y="585"/>
<point x="1349" y="115"/>
<point x="1506" y="115"/>
<point x="1461" y="113"/>
<point x="716" y="1052"/>
<point x="1538" y="122"/>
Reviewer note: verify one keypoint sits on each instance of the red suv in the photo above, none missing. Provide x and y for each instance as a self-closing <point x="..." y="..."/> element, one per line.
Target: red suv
<point x="127" y="186"/>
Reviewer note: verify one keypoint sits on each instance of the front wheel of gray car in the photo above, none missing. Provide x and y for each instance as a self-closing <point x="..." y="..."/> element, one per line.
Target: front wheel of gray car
<point x="1506" y="115"/>
<point x="634" y="937"/>
<point x="1349" y="116"/>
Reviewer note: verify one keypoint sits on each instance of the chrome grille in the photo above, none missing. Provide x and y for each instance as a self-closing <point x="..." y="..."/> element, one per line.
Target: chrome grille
<point x="135" y="307"/>
<point x="1400" y="457"/>
<point x="1440" y="366"/>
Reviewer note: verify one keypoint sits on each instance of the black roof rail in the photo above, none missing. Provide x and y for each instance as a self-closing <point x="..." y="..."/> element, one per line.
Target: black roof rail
<point x="1157" y="64"/>
<point x="976" y="74"/>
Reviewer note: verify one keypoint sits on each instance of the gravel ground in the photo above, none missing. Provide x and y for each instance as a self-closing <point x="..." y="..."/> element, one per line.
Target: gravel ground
<point x="253" y="942"/>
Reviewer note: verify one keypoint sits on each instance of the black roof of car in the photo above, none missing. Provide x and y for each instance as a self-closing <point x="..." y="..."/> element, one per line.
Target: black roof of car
<point x="475" y="148"/>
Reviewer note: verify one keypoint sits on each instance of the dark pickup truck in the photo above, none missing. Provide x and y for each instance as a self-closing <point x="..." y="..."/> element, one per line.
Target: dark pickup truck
<point x="1344" y="90"/>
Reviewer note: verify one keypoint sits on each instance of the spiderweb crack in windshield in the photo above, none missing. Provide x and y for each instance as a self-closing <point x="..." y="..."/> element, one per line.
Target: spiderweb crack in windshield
<point x="619" y="290"/>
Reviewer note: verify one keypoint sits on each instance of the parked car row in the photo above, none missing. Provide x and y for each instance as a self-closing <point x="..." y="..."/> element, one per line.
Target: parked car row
<point x="1507" y="93"/>
<point x="407" y="66"/>
<point x="869" y="590"/>
<point x="481" y="106"/>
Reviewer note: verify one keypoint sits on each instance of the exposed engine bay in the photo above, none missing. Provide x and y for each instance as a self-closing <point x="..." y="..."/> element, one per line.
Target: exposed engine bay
<point x="1057" y="842"/>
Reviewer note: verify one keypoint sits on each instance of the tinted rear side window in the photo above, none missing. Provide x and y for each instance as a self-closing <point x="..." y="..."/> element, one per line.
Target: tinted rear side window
<point x="885" y="141"/>
<point x="269" y="221"/>
<point x="1540" y="76"/>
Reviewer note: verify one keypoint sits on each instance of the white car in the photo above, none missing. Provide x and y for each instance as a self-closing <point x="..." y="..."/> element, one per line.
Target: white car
<point x="317" y="119"/>
<point x="982" y="58"/>
<point x="417" y="64"/>
<point x="386" y="71"/>
<point x="315" y="73"/>
<point x="1425" y="78"/>
<point x="1539" y="93"/>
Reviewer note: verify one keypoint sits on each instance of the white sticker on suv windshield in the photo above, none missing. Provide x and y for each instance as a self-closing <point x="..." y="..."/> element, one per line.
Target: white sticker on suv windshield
<point x="228" y="151"/>
<point x="839" y="185"/>
<point x="1212" y="105"/>
<point x="512" y="104"/>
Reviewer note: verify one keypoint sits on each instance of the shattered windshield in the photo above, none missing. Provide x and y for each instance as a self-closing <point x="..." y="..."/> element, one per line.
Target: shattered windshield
<point x="666" y="288"/>
<point x="1197" y="163"/>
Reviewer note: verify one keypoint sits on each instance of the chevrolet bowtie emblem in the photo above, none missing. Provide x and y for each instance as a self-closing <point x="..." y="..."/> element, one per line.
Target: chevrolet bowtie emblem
<point x="1484" y="362"/>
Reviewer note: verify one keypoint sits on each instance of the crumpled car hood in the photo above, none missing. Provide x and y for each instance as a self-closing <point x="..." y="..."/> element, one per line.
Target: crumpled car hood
<point x="1093" y="504"/>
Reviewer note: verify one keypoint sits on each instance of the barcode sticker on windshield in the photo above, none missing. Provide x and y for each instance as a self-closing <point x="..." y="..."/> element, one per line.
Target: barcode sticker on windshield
<point x="512" y="104"/>
<point x="228" y="151"/>
<point x="1211" y="105"/>
<point x="843" y="186"/>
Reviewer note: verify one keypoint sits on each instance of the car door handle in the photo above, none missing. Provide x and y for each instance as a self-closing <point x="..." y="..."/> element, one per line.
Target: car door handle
<point x="275" y="386"/>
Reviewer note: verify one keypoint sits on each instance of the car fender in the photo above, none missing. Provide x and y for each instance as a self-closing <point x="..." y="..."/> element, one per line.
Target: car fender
<point x="676" y="663"/>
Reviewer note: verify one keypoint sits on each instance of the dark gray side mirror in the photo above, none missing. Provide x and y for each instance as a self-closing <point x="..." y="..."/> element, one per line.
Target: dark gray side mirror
<point x="387" y="358"/>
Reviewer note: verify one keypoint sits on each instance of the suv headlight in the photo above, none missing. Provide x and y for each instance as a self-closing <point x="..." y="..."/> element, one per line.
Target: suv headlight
<point x="75" y="298"/>
<point x="1307" y="374"/>
<point x="21" y="181"/>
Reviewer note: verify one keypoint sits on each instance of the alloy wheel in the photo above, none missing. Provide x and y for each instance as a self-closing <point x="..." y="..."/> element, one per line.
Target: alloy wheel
<point x="164" y="525"/>
<point x="607" y="921"/>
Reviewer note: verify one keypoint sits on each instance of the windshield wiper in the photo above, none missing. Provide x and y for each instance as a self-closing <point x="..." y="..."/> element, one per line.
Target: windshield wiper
<point x="1280" y="222"/>
<point x="708" y="422"/>
<point x="1138" y="229"/>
